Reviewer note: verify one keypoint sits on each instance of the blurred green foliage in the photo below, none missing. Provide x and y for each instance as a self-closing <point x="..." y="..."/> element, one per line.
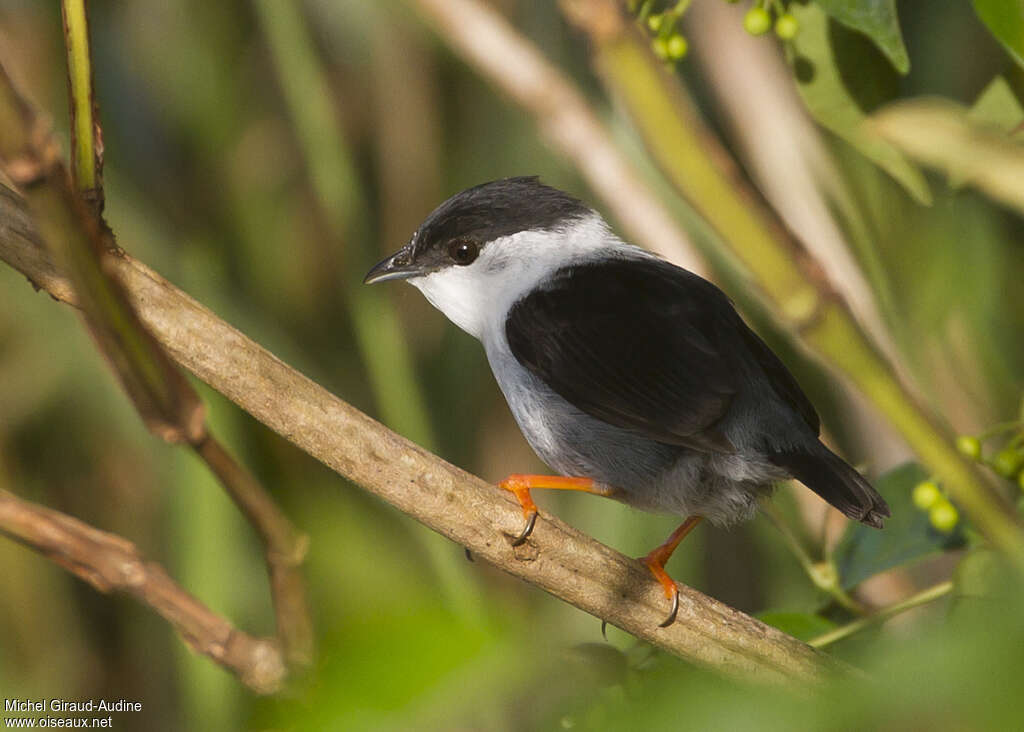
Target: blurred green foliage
<point x="210" y="180"/>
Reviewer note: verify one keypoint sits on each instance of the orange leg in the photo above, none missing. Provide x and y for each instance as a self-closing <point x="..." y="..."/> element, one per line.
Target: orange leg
<point x="521" y="485"/>
<point x="656" y="560"/>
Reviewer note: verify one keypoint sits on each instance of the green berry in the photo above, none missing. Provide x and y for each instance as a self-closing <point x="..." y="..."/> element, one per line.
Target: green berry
<point x="660" y="48"/>
<point x="786" y="27"/>
<point x="757" y="21"/>
<point x="969" y="445"/>
<point x="944" y="516"/>
<point x="654" y="22"/>
<point x="677" y="47"/>
<point x="1007" y="462"/>
<point x="926" y="494"/>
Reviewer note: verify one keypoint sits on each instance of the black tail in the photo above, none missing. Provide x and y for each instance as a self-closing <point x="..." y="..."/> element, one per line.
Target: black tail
<point x="830" y="477"/>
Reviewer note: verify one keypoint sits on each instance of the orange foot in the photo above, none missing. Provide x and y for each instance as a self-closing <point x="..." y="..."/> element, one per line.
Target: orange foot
<point x="520" y="486"/>
<point x="656" y="560"/>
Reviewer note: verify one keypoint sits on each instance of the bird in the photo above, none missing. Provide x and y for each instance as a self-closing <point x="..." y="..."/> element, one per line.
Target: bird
<point x="632" y="378"/>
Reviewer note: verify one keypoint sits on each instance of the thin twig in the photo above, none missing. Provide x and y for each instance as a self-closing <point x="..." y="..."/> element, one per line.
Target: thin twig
<point x="113" y="564"/>
<point x="845" y="631"/>
<point x="285" y="550"/>
<point x="86" y="136"/>
<point x="470" y="512"/>
<point x="823" y="574"/>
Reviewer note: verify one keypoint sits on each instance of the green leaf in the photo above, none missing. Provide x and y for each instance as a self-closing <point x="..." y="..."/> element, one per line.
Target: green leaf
<point x="982" y="579"/>
<point x="942" y="135"/>
<point x="1005" y="19"/>
<point x="876" y="19"/>
<point x="999" y="105"/>
<point x="799" y="625"/>
<point x="907" y="537"/>
<point x="842" y="78"/>
<point x="981" y="573"/>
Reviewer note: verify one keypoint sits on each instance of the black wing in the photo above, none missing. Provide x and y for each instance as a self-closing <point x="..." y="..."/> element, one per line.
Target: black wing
<point x="778" y="375"/>
<point x="645" y="345"/>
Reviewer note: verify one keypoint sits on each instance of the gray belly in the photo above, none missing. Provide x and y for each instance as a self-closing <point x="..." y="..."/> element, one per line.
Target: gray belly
<point x="574" y="443"/>
<point x="643" y="473"/>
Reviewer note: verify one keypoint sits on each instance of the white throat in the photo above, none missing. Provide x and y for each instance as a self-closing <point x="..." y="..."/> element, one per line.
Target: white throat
<point x="477" y="297"/>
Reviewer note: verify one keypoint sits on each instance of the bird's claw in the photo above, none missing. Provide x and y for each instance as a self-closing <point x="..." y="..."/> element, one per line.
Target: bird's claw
<point x="672" y="613"/>
<point x="527" y="530"/>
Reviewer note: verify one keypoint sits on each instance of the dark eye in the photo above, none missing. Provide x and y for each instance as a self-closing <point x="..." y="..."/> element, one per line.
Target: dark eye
<point x="463" y="251"/>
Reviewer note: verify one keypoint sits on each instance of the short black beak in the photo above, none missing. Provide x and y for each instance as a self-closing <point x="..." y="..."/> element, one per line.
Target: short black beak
<point x="398" y="266"/>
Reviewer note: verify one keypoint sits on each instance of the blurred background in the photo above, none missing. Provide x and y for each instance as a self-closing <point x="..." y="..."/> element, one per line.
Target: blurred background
<point x="262" y="156"/>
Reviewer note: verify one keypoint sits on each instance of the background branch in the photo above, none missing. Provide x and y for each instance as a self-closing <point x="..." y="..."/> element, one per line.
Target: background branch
<point x="78" y="237"/>
<point x="923" y="597"/>
<point x="86" y="135"/>
<point x="112" y="564"/>
<point x="284" y="549"/>
<point x="558" y="558"/>
<point x="781" y="148"/>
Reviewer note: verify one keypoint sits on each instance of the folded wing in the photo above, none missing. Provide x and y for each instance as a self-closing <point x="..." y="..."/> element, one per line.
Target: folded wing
<point x="645" y="345"/>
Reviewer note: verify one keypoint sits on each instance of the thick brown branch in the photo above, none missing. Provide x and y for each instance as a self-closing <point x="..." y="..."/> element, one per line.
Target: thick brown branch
<point x="467" y="510"/>
<point x="112" y="564"/>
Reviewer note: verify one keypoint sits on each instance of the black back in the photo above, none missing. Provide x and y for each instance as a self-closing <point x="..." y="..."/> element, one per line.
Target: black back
<point x="646" y="345"/>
